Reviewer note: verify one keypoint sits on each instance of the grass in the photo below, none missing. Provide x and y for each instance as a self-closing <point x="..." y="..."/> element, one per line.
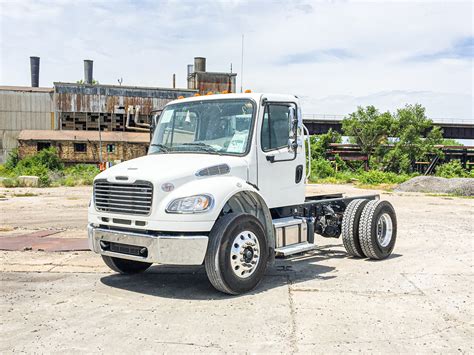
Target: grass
<point x="26" y="194"/>
<point x="48" y="167"/>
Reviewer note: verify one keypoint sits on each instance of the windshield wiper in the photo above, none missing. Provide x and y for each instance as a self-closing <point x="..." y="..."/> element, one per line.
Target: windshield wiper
<point x="163" y="147"/>
<point x="204" y="146"/>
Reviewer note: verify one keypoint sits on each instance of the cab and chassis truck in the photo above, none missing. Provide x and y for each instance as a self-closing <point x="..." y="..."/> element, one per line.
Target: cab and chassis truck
<point x="223" y="184"/>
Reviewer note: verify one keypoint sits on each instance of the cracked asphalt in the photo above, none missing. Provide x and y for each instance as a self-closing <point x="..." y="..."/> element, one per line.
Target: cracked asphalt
<point x="418" y="301"/>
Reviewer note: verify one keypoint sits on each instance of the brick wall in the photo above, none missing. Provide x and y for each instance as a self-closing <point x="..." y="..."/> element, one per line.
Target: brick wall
<point x="68" y="153"/>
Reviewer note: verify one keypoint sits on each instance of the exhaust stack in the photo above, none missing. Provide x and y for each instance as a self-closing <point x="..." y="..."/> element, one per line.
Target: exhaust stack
<point x="88" y="68"/>
<point x="34" y="65"/>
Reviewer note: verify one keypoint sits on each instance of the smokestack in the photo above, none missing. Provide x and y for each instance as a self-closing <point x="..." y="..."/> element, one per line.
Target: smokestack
<point x="190" y="76"/>
<point x="199" y="64"/>
<point x="35" y="67"/>
<point x="190" y="69"/>
<point x="88" y="66"/>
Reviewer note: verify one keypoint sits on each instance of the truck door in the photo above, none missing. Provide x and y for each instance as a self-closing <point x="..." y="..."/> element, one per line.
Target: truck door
<point x="280" y="174"/>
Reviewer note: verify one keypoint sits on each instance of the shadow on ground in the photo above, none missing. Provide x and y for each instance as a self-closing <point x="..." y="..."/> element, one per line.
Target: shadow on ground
<point x="191" y="283"/>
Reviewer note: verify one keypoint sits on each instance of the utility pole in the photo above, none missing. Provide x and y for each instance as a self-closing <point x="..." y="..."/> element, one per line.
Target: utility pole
<point x="242" y="66"/>
<point x="100" y="142"/>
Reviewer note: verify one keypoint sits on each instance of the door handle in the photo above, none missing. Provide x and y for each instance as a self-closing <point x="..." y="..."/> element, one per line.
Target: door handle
<point x="299" y="173"/>
<point x="270" y="158"/>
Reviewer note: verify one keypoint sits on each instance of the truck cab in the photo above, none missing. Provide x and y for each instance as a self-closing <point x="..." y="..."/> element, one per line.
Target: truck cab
<point x="223" y="184"/>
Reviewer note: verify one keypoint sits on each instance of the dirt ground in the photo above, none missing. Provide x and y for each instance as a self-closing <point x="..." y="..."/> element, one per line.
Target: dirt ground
<point x="418" y="301"/>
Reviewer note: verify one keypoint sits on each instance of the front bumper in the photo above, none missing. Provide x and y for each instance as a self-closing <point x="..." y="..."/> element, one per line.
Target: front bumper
<point x="163" y="249"/>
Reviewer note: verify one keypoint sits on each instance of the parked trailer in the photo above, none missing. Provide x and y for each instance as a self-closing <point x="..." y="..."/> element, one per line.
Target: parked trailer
<point x="223" y="185"/>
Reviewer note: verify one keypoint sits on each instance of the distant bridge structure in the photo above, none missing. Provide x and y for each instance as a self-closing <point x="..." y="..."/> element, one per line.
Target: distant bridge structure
<point x="452" y="127"/>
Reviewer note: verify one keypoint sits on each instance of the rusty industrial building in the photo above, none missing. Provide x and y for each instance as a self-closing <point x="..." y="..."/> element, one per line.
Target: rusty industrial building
<point x="55" y="112"/>
<point x="85" y="146"/>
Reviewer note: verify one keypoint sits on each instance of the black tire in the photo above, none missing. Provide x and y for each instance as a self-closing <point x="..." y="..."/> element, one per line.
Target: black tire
<point x="218" y="256"/>
<point x="125" y="266"/>
<point x="374" y="212"/>
<point x="350" y="228"/>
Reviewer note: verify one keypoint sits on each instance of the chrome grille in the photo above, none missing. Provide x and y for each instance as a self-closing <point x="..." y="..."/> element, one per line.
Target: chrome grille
<point x="121" y="198"/>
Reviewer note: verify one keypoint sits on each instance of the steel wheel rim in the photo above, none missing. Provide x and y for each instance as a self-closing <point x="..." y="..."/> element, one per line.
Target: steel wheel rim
<point x="384" y="230"/>
<point x="245" y="254"/>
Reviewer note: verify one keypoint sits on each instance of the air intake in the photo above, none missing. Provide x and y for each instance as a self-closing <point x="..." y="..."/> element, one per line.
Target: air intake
<point x="221" y="169"/>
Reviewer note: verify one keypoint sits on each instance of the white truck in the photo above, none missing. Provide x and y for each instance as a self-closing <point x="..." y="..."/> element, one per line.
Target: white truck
<point x="223" y="185"/>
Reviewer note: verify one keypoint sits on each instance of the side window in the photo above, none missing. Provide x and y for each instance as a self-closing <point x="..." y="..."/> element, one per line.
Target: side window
<point x="275" y="127"/>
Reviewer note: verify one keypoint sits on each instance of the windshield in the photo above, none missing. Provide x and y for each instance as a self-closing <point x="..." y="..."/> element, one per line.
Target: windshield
<point x="217" y="126"/>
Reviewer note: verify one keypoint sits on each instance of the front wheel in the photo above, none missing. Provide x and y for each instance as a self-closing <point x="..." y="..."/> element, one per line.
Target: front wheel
<point x="237" y="253"/>
<point x="125" y="266"/>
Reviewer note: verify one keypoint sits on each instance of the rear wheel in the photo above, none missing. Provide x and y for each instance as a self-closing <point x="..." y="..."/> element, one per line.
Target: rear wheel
<point x="350" y="227"/>
<point x="378" y="229"/>
<point x="237" y="253"/>
<point x="125" y="266"/>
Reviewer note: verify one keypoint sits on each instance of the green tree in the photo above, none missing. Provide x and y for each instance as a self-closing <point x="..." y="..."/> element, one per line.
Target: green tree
<point x="94" y="82"/>
<point x="368" y="128"/>
<point x="415" y="137"/>
<point x="321" y="143"/>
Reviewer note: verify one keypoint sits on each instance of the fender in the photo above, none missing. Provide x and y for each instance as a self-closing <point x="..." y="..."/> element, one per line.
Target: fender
<point x="230" y="193"/>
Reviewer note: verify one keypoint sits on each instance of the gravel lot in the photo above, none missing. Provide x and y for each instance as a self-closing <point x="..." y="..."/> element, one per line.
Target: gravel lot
<point x="419" y="300"/>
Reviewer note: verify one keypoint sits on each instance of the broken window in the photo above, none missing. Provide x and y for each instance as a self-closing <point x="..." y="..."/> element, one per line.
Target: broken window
<point x="80" y="147"/>
<point x="42" y="145"/>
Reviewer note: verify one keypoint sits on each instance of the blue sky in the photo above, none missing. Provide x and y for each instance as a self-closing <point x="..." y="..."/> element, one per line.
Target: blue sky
<point x="335" y="55"/>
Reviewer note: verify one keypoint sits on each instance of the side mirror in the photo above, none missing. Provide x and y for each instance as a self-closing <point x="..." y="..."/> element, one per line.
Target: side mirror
<point x="293" y="138"/>
<point x="155" y="116"/>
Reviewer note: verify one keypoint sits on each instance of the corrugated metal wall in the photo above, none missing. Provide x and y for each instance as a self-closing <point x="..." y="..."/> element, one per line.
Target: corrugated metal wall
<point x="103" y="98"/>
<point x="22" y="110"/>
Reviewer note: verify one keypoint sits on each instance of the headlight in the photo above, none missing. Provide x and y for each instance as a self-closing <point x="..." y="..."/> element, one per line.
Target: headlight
<point x="191" y="204"/>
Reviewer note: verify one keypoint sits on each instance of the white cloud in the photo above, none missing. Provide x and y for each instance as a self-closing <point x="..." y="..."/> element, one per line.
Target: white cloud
<point x="366" y="51"/>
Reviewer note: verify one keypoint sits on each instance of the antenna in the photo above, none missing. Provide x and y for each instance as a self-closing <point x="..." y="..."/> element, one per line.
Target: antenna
<point x="242" y="65"/>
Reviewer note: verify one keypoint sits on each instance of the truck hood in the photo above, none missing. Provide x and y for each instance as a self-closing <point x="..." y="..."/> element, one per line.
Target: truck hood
<point x="174" y="168"/>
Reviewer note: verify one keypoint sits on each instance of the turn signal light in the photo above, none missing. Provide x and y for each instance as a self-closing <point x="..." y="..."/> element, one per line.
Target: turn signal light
<point x="248" y="91"/>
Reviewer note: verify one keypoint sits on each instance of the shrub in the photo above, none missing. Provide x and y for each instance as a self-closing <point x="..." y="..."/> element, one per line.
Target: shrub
<point x="377" y="177"/>
<point x="40" y="164"/>
<point x="10" y="182"/>
<point x="80" y="174"/>
<point x="4" y="171"/>
<point x="452" y="169"/>
<point x="12" y="160"/>
<point x="322" y="142"/>
<point x="321" y="168"/>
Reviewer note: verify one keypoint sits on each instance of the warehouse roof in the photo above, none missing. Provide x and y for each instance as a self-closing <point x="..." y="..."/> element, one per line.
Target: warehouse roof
<point x="25" y="88"/>
<point x="82" y="136"/>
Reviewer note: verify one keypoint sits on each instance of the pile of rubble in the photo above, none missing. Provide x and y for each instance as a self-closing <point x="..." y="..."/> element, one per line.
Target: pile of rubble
<point x="439" y="185"/>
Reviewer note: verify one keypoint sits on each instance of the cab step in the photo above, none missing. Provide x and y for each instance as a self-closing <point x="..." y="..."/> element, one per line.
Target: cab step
<point x="294" y="249"/>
